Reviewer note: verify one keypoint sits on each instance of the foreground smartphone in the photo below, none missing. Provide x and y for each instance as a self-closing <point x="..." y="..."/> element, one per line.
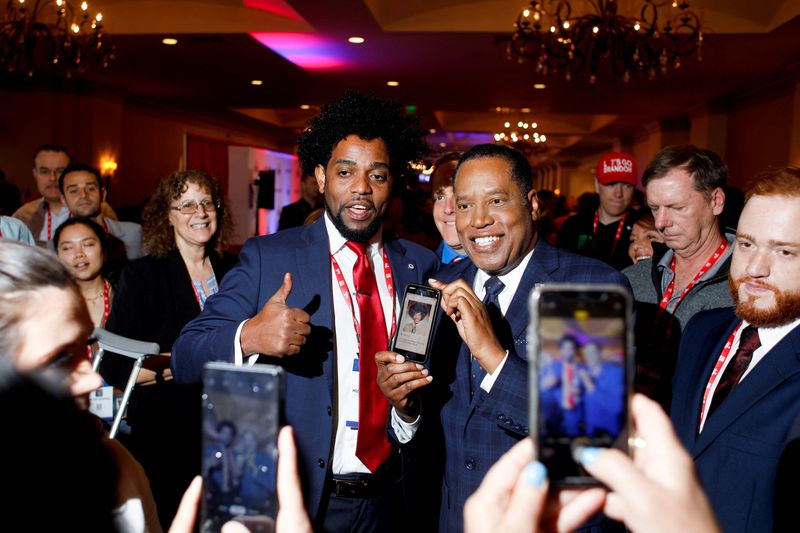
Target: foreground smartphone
<point x="580" y="355"/>
<point x="241" y="419"/>
<point x="417" y="319"/>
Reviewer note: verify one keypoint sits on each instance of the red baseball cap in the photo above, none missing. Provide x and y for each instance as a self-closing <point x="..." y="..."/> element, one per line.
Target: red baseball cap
<point x="616" y="166"/>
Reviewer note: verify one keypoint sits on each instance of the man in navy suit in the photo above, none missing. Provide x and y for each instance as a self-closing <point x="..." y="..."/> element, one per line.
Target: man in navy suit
<point x="293" y="300"/>
<point x="496" y="217"/>
<point x="737" y="382"/>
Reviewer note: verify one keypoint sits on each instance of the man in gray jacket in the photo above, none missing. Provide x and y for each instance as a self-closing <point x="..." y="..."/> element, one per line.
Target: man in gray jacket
<point x="689" y="272"/>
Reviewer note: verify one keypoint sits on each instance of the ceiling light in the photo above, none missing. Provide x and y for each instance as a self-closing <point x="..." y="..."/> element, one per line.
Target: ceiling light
<point x="305" y="106"/>
<point x="432" y="130"/>
<point x="526" y="109"/>
<point x="442" y="145"/>
<point x="169" y="41"/>
<point x="355" y="40"/>
<point x="539" y="86"/>
<point x="256" y="82"/>
<point x="392" y="83"/>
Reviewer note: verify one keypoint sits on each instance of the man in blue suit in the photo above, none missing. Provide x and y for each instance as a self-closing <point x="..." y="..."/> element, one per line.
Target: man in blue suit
<point x="737" y="382"/>
<point x="479" y="364"/>
<point x="295" y="299"/>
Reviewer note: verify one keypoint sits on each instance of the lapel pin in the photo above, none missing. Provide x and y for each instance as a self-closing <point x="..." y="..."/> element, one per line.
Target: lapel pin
<point x="411" y="266"/>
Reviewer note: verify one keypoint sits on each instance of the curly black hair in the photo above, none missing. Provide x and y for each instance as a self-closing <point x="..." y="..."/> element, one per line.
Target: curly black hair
<point x="369" y="117"/>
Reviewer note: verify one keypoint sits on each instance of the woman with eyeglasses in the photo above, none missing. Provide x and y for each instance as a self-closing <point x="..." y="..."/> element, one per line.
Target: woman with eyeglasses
<point x="185" y="227"/>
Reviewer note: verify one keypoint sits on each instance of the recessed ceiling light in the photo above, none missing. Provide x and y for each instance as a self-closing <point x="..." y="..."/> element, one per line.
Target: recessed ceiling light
<point x="442" y="145"/>
<point x="305" y="106"/>
<point x="256" y="82"/>
<point x="169" y="41"/>
<point x="526" y="109"/>
<point x="432" y="130"/>
<point x="355" y="40"/>
<point x="539" y="86"/>
<point x="392" y="83"/>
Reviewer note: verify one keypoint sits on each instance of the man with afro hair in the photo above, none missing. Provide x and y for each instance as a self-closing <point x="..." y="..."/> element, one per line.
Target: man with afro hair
<point x="320" y="301"/>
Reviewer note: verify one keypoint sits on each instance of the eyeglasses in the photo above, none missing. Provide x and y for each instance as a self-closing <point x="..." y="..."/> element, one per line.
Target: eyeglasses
<point x="190" y="207"/>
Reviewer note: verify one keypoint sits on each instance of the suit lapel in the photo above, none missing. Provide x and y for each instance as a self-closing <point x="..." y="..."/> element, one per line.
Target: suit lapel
<point x="543" y="263"/>
<point x="313" y="261"/>
<point x="705" y="358"/>
<point x="404" y="268"/>
<point x="778" y="365"/>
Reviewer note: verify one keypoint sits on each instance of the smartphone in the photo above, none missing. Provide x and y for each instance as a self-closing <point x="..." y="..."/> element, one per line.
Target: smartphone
<point x="417" y="320"/>
<point x="580" y="353"/>
<point x="241" y="419"/>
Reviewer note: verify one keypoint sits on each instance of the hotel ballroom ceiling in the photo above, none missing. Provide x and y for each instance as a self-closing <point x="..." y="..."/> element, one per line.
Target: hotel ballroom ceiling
<point x="447" y="55"/>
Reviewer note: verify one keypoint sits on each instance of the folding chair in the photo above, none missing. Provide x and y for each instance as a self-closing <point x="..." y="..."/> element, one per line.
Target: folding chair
<point x="137" y="350"/>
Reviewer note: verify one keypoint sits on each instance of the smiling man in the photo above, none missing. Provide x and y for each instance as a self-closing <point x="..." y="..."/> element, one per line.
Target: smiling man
<point x="737" y="381"/>
<point x="479" y="363"/>
<point x="82" y="191"/>
<point x="320" y="301"/>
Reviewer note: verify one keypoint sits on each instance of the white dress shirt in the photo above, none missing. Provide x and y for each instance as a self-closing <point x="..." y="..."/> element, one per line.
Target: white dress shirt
<point x="511" y="281"/>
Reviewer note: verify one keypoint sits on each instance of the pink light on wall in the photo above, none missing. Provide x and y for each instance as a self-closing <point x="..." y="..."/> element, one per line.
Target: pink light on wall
<point x="306" y="50"/>
<point x="278" y="7"/>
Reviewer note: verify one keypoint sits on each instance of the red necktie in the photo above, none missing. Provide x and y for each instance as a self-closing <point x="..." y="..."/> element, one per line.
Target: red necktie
<point x="373" y="447"/>
<point x="748" y="343"/>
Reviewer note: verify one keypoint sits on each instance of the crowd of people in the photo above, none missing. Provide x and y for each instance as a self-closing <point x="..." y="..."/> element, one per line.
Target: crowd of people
<point x="381" y="443"/>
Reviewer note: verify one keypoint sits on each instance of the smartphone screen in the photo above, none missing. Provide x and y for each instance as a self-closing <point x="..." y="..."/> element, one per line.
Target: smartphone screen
<point x="241" y="416"/>
<point x="415" y="327"/>
<point x="580" y="354"/>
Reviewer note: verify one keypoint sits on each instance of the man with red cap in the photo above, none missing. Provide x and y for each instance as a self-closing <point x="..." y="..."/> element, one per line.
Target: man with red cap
<point x="605" y="232"/>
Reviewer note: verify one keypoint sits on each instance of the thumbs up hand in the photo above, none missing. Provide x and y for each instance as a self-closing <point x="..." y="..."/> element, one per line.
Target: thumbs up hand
<point x="277" y="330"/>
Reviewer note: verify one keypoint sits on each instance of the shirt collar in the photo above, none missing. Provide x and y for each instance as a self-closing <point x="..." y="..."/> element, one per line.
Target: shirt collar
<point x="510" y="279"/>
<point x="769" y="337"/>
<point x="338" y="242"/>
<point x="448" y="254"/>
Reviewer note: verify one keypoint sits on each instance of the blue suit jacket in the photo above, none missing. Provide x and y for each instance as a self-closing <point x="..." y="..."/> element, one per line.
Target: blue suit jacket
<point x="478" y="430"/>
<point x="310" y="375"/>
<point x="737" y="453"/>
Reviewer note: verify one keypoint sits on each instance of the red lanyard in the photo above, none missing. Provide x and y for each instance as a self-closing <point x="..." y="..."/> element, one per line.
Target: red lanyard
<point x="387" y="272"/>
<point x="705" y="268"/>
<point x="712" y="380"/>
<point x="106" y="311"/>
<point x="106" y="303"/>
<point x="616" y="236"/>
<point x="49" y="224"/>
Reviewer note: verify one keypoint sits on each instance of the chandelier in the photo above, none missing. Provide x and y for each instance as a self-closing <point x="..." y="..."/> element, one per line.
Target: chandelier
<point x="38" y="35"/>
<point x="523" y="137"/>
<point x="557" y="39"/>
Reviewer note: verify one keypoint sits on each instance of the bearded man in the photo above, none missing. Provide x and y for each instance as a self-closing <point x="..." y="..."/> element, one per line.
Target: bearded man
<point x="737" y="384"/>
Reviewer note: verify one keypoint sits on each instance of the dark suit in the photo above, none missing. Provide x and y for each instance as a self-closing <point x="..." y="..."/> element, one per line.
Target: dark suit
<point x="311" y="375"/>
<point x="478" y="430"/>
<point x="737" y="453"/>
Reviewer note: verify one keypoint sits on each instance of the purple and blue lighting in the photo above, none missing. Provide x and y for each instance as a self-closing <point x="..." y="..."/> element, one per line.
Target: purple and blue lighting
<point x="306" y="50"/>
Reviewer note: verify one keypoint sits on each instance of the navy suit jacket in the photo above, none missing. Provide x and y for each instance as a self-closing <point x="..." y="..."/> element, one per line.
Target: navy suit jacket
<point x="479" y="429"/>
<point x="738" y="451"/>
<point x="310" y="375"/>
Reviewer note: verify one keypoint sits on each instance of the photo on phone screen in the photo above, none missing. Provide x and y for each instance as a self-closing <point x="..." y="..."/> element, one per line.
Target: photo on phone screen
<point x="241" y="417"/>
<point x="580" y="364"/>
<point x="417" y="316"/>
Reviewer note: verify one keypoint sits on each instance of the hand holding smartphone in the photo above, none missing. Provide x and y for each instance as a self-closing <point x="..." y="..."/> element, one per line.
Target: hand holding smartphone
<point x="580" y="353"/>
<point x="417" y="320"/>
<point x="241" y="419"/>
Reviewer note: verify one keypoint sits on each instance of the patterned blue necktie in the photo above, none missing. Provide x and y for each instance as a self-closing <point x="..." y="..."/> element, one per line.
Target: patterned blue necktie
<point x="493" y="288"/>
